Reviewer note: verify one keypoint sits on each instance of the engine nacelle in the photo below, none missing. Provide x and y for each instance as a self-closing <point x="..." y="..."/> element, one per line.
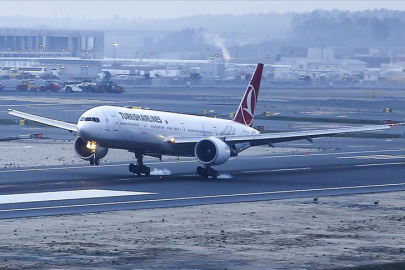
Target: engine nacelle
<point x="82" y="150"/>
<point x="212" y="151"/>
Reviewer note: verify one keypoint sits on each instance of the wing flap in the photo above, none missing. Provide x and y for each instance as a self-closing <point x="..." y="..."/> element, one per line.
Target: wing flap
<point x="44" y="120"/>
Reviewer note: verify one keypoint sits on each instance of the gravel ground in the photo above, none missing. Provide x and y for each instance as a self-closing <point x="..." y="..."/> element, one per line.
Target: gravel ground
<point x="335" y="232"/>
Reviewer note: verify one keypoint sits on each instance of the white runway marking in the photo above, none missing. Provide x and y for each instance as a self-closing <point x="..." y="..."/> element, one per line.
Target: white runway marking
<point x="66" y="195"/>
<point x="376" y="157"/>
<point x="204" y="197"/>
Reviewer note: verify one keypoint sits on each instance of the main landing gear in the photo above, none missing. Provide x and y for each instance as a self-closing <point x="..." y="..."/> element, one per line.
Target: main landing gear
<point x="139" y="168"/>
<point x="207" y="171"/>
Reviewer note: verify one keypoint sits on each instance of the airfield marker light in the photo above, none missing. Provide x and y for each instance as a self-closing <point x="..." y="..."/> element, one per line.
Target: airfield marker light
<point x="291" y="193"/>
<point x="308" y="153"/>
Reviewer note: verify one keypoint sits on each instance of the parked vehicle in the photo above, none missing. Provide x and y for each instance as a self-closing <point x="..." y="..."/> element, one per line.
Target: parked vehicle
<point x="72" y="86"/>
<point x="26" y="85"/>
<point x="109" y="87"/>
<point x="49" y="86"/>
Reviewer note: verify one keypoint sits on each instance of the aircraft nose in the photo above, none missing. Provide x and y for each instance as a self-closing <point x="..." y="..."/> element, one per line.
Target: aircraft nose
<point x="87" y="131"/>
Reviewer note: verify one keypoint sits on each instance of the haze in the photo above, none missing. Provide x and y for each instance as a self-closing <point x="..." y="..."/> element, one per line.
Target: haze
<point x="175" y="9"/>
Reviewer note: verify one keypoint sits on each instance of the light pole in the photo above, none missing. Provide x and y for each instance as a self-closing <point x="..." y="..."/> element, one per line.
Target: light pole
<point x="115" y="44"/>
<point x="375" y="54"/>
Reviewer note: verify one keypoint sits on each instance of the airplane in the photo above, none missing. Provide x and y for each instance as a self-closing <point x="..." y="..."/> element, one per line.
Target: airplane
<point x="153" y="133"/>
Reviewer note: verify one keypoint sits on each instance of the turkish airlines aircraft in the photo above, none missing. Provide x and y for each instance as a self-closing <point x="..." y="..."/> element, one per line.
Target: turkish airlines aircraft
<point x="155" y="133"/>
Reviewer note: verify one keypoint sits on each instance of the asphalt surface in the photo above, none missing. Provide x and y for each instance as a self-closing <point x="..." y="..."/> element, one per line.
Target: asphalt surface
<point x="376" y="166"/>
<point x="336" y="166"/>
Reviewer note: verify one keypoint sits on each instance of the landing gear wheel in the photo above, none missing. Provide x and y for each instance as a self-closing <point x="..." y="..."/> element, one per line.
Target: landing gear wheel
<point x="200" y="171"/>
<point x="97" y="162"/>
<point x="92" y="162"/>
<point x="132" y="168"/>
<point x="139" y="168"/>
<point x="207" y="172"/>
<point x="147" y="171"/>
<point x="214" y="174"/>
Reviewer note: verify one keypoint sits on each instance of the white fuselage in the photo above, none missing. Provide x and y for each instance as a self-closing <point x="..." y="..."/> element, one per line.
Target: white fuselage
<point x="148" y="131"/>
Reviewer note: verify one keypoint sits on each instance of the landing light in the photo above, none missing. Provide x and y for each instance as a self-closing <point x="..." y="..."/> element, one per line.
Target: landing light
<point x="172" y="140"/>
<point x="91" y="145"/>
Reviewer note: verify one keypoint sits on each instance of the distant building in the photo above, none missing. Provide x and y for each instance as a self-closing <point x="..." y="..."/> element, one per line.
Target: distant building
<point x="39" y="43"/>
<point x="336" y="67"/>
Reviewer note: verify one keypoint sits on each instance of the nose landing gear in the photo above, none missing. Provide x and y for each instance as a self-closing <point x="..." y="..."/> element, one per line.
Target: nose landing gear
<point x="94" y="161"/>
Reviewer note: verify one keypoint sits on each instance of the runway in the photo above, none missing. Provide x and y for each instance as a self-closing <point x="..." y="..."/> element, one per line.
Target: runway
<point x="359" y="166"/>
<point x="330" y="166"/>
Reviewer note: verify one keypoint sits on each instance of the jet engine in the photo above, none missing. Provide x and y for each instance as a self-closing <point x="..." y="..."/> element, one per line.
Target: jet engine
<point x="212" y="151"/>
<point x="86" y="149"/>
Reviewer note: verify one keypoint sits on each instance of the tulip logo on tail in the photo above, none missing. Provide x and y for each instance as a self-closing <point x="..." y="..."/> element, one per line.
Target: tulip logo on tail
<point x="246" y="111"/>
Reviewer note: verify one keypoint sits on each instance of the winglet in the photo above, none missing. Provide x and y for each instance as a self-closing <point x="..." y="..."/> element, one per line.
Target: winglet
<point x="246" y="111"/>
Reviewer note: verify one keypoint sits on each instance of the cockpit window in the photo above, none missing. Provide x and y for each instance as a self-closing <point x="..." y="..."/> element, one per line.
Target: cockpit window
<point x="90" y="119"/>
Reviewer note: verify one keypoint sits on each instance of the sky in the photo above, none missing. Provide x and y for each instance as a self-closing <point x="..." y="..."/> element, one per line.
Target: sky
<point x="175" y="9"/>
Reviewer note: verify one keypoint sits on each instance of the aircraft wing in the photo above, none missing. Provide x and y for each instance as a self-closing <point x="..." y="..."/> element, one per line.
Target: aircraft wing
<point x="271" y="138"/>
<point x="44" y="120"/>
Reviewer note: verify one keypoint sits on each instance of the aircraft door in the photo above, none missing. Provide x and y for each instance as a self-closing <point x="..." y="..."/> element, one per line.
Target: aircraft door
<point x="114" y="122"/>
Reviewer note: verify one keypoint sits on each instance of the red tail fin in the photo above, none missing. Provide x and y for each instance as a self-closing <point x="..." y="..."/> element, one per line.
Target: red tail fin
<point x="246" y="110"/>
